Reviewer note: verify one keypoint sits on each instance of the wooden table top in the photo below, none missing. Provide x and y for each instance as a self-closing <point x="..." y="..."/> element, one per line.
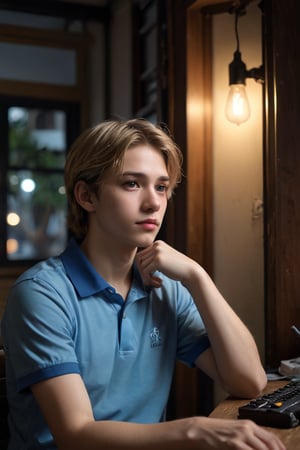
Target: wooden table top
<point x="228" y="409"/>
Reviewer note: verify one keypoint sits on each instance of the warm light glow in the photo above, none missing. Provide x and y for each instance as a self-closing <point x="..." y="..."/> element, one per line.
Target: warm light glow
<point x="12" y="246"/>
<point x="12" y="219"/>
<point x="237" y="108"/>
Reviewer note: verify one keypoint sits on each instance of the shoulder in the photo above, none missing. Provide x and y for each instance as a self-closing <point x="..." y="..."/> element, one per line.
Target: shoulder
<point x="50" y="273"/>
<point x="43" y="284"/>
<point x="42" y="270"/>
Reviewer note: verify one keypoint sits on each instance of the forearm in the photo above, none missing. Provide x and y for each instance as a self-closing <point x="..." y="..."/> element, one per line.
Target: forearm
<point x="111" y="435"/>
<point x="188" y="434"/>
<point x="66" y="407"/>
<point x="235" y="352"/>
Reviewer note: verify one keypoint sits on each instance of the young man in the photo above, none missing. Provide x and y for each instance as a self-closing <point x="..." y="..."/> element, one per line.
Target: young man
<point x="91" y="336"/>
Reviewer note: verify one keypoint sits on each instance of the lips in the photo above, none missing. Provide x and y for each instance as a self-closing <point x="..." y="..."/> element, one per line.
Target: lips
<point x="148" y="222"/>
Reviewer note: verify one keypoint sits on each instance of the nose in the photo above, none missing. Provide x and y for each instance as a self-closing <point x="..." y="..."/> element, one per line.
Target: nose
<point x="151" y="200"/>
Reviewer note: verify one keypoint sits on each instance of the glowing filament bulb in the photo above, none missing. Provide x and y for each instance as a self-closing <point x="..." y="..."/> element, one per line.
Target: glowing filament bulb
<point x="237" y="108"/>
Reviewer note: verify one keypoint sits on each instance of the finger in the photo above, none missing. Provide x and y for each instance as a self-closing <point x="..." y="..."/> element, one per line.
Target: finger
<point x="271" y="441"/>
<point x="149" y="278"/>
<point x="147" y="265"/>
<point x="155" y="281"/>
<point x="262" y="439"/>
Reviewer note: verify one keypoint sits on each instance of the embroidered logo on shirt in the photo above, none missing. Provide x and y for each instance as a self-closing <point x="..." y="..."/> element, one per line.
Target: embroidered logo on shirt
<point x="155" y="338"/>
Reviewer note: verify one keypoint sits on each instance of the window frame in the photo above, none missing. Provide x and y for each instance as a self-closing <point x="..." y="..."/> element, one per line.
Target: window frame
<point x="71" y="98"/>
<point x="78" y="42"/>
<point x="72" y="111"/>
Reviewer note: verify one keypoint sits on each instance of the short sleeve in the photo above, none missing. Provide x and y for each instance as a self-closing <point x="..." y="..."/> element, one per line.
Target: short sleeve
<point x="38" y="329"/>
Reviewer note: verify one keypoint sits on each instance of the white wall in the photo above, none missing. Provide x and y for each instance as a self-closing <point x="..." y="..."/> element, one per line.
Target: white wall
<point x="237" y="177"/>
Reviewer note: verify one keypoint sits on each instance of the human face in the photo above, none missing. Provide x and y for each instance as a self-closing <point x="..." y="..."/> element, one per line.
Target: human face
<point x="132" y="202"/>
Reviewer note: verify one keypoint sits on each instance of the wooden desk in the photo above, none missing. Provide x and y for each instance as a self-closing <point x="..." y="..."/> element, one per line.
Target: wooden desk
<point x="228" y="409"/>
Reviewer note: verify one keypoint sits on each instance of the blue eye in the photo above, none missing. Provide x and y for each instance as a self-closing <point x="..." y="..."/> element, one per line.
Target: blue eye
<point x="131" y="184"/>
<point x="161" y="188"/>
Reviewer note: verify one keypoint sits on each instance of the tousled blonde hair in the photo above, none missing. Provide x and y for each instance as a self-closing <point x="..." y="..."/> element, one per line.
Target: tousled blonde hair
<point x="102" y="148"/>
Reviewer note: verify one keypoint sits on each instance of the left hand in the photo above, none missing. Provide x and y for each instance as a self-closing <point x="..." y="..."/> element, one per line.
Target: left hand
<point x="160" y="256"/>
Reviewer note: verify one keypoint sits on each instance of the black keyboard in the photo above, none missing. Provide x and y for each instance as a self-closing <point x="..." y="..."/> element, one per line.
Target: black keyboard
<point x="279" y="409"/>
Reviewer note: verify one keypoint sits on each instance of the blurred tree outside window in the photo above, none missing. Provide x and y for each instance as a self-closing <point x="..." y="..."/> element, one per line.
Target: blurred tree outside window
<point x="35" y="198"/>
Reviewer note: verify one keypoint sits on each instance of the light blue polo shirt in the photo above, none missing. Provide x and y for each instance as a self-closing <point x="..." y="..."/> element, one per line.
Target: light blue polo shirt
<point x="62" y="317"/>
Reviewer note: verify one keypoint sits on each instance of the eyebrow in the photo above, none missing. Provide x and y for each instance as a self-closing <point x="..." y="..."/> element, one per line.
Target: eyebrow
<point x="143" y="175"/>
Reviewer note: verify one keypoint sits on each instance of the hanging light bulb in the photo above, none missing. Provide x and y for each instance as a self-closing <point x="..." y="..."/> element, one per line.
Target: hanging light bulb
<point x="237" y="108"/>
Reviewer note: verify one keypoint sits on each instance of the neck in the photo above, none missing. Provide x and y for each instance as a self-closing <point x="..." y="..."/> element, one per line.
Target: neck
<point x="114" y="265"/>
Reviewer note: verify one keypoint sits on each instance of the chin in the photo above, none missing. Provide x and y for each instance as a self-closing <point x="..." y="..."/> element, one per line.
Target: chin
<point x="146" y="242"/>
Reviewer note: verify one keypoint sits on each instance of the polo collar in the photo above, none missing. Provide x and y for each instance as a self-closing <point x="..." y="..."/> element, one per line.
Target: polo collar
<point x="84" y="276"/>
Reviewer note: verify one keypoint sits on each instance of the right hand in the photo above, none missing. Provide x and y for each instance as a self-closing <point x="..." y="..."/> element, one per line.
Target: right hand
<point x="225" y="434"/>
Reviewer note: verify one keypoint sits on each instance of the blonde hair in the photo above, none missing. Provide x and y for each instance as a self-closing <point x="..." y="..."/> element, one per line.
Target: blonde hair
<point x="103" y="147"/>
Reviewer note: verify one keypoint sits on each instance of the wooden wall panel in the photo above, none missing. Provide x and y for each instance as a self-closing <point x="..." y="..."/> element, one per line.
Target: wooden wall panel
<point x="282" y="178"/>
<point x="190" y="221"/>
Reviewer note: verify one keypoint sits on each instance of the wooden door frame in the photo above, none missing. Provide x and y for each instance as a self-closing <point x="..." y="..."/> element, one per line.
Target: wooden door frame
<point x="190" y="119"/>
<point x="281" y="179"/>
<point x="189" y="224"/>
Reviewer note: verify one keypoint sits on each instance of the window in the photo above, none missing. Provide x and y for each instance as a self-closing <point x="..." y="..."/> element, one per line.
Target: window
<point x="43" y="108"/>
<point x="34" y="141"/>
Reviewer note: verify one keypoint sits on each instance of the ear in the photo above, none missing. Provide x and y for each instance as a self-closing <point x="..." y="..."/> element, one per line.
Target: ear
<point x="84" y="196"/>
